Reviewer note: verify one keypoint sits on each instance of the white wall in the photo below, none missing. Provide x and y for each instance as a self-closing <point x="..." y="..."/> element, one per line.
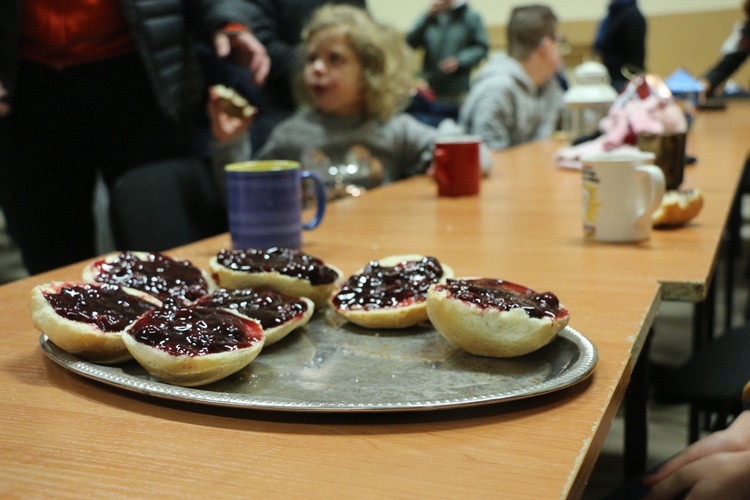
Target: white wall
<point x="402" y="13"/>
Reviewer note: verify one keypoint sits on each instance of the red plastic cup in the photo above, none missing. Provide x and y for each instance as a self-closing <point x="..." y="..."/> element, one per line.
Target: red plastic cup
<point x="456" y="160"/>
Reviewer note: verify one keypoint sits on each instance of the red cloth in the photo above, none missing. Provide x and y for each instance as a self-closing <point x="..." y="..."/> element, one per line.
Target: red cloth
<point x="63" y="33"/>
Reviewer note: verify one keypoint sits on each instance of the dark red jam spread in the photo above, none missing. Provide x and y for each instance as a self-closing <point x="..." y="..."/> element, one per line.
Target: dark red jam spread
<point x="504" y="295"/>
<point x="286" y="261"/>
<point x="195" y="331"/>
<point x="105" y="306"/>
<point x="270" y="308"/>
<point x="158" y="275"/>
<point x="378" y="287"/>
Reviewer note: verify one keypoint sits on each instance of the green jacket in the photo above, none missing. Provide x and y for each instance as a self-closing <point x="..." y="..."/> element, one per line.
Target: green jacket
<point x="460" y="33"/>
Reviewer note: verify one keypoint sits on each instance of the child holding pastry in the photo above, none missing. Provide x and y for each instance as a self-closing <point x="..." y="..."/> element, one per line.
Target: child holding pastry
<point x="349" y="130"/>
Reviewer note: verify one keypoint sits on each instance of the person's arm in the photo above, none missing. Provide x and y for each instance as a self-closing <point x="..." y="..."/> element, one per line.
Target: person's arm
<point x="717" y="466"/>
<point x="723" y="70"/>
<point x="493" y="119"/>
<point x="415" y="36"/>
<point x="226" y="23"/>
<point x="477" y="49"/>
<point x="268" y="29"/>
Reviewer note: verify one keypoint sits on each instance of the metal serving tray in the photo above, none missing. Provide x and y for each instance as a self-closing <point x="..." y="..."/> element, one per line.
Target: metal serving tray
<point x="335" y="366"/>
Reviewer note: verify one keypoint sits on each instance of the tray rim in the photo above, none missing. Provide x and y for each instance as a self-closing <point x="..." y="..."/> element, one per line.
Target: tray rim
<point x="580" y="370"/>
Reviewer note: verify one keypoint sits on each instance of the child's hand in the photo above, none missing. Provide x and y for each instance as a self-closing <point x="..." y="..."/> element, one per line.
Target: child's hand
<point x="227" y="124"/>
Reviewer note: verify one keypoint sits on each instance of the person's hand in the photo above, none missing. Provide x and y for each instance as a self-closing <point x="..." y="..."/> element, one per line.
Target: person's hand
<point x="244" y="49"/>
<point x="717" y="466"/>
<point x="448" y="65"/>
<point x="224" y="127"/>
<point x="4" y="106"/>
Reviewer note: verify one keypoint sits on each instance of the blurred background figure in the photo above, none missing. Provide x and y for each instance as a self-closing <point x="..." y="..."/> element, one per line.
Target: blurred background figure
<point x="734" y="53"/>
<point x="278" y="25"/>
<point x="516" y="97"/>
<point x="621" y="40"/>
<point x="97" y="87"/>
<point x="454" y="41"/>
<point x="349" y="129"/>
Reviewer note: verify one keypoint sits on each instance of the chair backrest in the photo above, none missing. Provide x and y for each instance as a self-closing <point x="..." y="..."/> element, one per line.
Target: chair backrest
<point x="165" y="204"/>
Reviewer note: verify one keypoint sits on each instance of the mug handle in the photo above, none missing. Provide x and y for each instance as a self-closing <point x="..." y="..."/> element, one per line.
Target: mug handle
<point x="656" y="188"/>
<point x="320" y="192"/>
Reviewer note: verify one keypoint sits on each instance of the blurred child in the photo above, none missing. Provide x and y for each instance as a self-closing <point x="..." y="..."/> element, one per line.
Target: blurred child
<point x="349" y="131"/>
<point x="516" y="97"/>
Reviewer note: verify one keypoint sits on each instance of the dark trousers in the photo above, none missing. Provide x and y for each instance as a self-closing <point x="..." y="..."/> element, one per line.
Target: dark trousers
<point x="64" y="127"/>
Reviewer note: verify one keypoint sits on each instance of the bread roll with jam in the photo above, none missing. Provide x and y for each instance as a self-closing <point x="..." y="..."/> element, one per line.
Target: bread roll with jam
<point x="193" y="346"/>
<point x="88" y="319"/>
<point x="155" y="273"/>
<point x="390" y="293"/>
<point x="284" y="270"/>
<point x="277" y="313"/>
<point x="490" y="317"/>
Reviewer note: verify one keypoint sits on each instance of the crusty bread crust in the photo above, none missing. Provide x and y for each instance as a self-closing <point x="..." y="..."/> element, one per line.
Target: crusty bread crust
<point x="82" y="339"/>
<point x="281" y="283"/>
<point x="191" y="371"/>
<point x="489" y="332"/>
<point x="392" y="317"/>
<point x="678" y="207"/>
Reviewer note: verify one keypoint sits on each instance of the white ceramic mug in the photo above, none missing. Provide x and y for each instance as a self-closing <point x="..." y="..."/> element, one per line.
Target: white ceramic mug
<point x="620" y="193"/>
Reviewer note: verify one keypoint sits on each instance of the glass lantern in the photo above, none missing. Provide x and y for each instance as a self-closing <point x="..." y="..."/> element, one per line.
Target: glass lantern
<point x="588" y="100"/>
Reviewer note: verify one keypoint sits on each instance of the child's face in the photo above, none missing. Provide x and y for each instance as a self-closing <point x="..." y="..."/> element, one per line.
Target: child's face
<point x="333" y="73"/>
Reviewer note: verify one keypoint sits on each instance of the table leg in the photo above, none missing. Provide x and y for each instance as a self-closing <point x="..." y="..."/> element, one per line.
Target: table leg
<point x="636" y="415"/>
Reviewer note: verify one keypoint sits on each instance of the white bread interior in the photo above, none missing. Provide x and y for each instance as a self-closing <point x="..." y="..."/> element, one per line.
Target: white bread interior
<point x="490" y="331"/>
<point x="393" y="317"/>
<point x="191" y="371"/>
<point x="82" y="339"/>
<point x="281" y="283"/>
<point x="277" y="333"/>
<point x="678" y="207"/>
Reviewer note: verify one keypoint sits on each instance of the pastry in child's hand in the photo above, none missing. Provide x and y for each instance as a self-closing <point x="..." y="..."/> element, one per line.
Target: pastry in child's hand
<point x="192" y="346"/>
<point x="490" y="317"/>
<point x="277" y="313"/>
<point x="232" y="103"/>
<point x="391" y="292"/>
<point x="284" y="270"/>
<point x="87" y="319"/>
<point x="151" y="272"/>
<point x="677" y="208"/>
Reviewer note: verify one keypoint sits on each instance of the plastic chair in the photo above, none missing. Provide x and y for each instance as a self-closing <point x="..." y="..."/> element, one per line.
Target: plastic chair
<point x="164" y="205"/>
<point x="712" y="381"/>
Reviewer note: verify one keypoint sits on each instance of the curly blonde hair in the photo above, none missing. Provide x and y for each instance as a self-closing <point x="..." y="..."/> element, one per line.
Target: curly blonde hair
<point x="385" y="58"/>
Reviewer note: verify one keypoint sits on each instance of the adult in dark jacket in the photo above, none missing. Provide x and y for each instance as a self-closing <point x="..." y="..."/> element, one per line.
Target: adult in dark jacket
<point x="278" y="25"/>
<point x="98" y="87"/>
<point x="621" y="40"/>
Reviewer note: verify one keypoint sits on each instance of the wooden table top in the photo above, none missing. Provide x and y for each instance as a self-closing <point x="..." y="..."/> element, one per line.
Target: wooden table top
<point x="64" y="435"/>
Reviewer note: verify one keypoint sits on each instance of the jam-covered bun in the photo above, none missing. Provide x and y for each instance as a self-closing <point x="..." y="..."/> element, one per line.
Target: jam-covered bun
<point x="391" y="292"/>
<point x="278" y="314"/>
<point x="491" y="317"/>
<point x="192" y="346"/>
<point x="88" y="319"/>
<point x="283" y="270"/>
<point x="153" y="273"/>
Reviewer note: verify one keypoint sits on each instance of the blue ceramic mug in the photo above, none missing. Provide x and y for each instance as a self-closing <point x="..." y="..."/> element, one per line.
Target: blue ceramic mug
<point x="264" y="200"/>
